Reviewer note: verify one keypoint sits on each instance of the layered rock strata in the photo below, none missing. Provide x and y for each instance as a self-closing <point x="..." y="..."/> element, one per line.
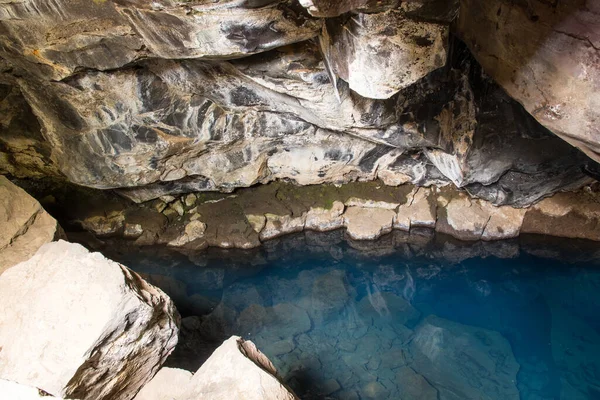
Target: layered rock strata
<point x="366" y="210"/>
<point x="77" y="325"/>
<point x="167" y="98"/>
<point x="26" y="226"/>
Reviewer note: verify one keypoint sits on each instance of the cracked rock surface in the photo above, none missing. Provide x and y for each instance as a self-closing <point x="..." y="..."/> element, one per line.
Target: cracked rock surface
<point x="161" y="98"/>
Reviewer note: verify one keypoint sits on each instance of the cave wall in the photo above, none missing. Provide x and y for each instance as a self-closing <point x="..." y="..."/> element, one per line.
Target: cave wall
<point x="162" y="97"/>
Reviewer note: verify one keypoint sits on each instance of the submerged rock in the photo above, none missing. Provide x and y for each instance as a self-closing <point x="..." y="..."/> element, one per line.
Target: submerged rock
<point x="414" y="386"/>
<point x="76" y="324"/>
<point x="576" y="352"/>
<point x="464" y="362"/>
<point x="26" y="226"/>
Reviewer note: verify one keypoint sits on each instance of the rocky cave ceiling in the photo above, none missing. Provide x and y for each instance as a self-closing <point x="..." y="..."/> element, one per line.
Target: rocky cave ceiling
<point x="157" y="97"/>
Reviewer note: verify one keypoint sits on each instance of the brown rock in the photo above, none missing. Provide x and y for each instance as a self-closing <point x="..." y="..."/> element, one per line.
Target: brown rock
<point x="26" y="226"/>
<point x="555" y="73"/>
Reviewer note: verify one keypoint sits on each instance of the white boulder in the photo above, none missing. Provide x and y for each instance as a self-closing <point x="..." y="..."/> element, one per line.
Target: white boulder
<point x="237" y="370"/>
<point x="75" y="324"/>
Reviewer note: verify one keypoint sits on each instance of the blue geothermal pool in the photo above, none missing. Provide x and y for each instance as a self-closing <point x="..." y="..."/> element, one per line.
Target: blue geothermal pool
<point x="397" y="321"/>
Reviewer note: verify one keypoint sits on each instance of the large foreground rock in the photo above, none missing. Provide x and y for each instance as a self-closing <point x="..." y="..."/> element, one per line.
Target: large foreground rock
<point x="237" y="370"/>
<point x="75" y="324"/>
<point x="26" y="226"/>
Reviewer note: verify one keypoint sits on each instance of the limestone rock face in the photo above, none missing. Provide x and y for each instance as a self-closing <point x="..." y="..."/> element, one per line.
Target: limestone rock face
<point x="368" y="223"/>
<point x="165" y="97"/>
<point x="555" y="74"/>
<point x="237" y="370"/>
<point x="26" y="226"/>
<point x="472" y="219"/>
<point x="379" y="54"/>
<point x="105" y="330"/>
<point x="57" y="38"/>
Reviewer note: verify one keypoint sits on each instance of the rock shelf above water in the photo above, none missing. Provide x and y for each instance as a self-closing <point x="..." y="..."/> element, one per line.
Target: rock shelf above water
<point x="367" y="211"/>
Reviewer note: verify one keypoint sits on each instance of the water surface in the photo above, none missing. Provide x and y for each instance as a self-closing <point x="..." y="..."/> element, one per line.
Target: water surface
<point x="406" y="320"/>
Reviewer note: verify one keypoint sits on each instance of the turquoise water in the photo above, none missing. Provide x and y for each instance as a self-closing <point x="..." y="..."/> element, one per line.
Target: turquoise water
<point x="397" y="321"/>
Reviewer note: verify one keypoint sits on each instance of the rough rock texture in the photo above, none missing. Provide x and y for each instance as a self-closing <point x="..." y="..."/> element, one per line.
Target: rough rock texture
<point x="418" y="211"/>
<point x="167" y="384"/>
<point x="565" y="214"/>
<point x="471" y="219"/>
<point x="165" y="98"/>
<point x="379" y="54"/>
<point x="555" y="73"/>
<point x="57" y="38"/>
<point x="367" y="210"/>
<point x="26" y="226"/>
<point x="237" y="370"/>
<point x="368" y="223"/>
<point x="105" y="330"/>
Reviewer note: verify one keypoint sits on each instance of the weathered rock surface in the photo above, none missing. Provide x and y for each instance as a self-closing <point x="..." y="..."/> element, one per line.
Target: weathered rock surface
<point x="379" y="54"/>
<point x="555" y="74"/>
<point x="105" y="330"/>
<point x="26" y="226"/>
<point x="472" y="219"/>
<point x="367" y="210"/>
<point x="167" y="384"/>
<point x="179" y="123"/>
<point x="574" y="215"/>
<point x="368" y="223"/>
<point x="237" y="370"/>
<point x="55" y="39"/>
<point x="418" y="211"/>
<point x="323" y="219"/>
<point x="328" y="8"/>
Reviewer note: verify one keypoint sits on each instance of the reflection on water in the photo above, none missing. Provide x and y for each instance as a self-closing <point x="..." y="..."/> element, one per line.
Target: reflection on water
<point x="343" y="324"/>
